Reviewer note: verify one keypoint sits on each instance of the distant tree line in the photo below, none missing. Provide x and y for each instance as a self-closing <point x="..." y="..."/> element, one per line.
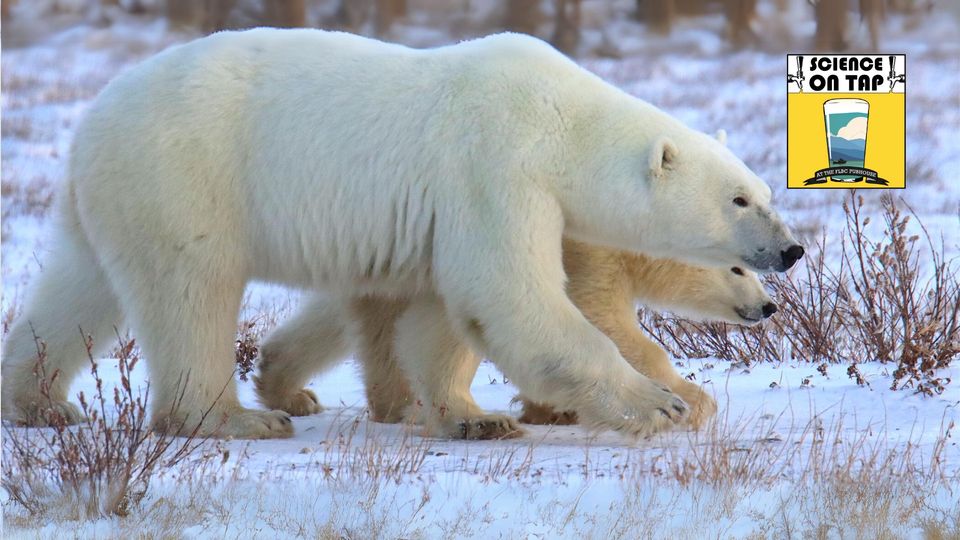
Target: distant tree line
<point x="527" y="16"/>
<point x="831" y="16"/>
<point x="214" y="15"/>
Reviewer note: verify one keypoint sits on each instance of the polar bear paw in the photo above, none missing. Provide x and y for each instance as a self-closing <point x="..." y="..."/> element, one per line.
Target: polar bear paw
<point x="638" y="408"/>
<point x="544" y="414"/>
<point x="251" y="424"/>
<point x="702" y="405"/>
<point x="302" y="402"/>
<point x="43" y="412"/>
<point x="483" y="427"/>
<point x="238" y="423"/>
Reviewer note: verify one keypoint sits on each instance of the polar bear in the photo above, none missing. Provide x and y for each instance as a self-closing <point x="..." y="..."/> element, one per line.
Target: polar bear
<point x="603" y="283"/>
<point x="329" y="161"/>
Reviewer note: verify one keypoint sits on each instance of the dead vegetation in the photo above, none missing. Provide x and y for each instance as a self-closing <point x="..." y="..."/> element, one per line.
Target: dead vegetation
<point x="893" y="298"/>
<point x="366" y="480"/>
<point x="247" y="347"/>
<point x="102" y="466"/>
<point x="31" y="198"/>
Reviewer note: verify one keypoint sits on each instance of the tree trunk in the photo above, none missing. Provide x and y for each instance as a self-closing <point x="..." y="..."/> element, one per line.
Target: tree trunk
<point x="658" y="14"/>
<point x="285" y="13"/>
<point x="216" y="15"/>
<point x="873" y="12"/>
<point x="387" y="12"/>
<point x="739" y="13"/>
<point x="186" y="13"/>
<point x="351" y="14"/>
<point x="5" y="6"/>
<point x="523" y="16"/>
<point x="690" y="7"/>
<point x="831" y="18"/>
<point x="566" y="31"/>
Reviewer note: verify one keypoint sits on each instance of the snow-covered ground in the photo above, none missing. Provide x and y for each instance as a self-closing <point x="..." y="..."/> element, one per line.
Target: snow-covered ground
<point x="784" y="455"/>
<point x="791" y="452"/>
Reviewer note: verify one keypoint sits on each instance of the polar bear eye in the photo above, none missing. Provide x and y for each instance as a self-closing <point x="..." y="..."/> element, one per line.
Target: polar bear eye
<point x="737" y="270"/>
<point x="740" y="201"/>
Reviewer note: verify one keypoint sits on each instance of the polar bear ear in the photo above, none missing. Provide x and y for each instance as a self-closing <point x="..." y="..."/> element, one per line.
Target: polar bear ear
<point x="662" y="155"/>
<point x="722" y="136"/>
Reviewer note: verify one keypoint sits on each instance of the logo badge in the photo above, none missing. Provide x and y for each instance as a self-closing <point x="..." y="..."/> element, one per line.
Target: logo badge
<point x="846" y="121"/>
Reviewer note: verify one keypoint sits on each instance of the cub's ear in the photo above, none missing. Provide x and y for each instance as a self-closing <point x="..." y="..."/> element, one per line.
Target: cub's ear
<point x="662" y="154"/>
<point x="722" y="136"/>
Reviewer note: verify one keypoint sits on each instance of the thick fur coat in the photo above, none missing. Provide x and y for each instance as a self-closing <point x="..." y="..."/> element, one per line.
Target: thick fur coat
<point x="324" y="160"/>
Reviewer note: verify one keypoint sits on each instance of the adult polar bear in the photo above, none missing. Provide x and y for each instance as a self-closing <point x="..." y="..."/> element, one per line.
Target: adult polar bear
<point x="326" y="160"/>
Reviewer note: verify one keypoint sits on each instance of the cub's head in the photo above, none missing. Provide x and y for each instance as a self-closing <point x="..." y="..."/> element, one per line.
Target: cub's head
<point x="703" y="293"/>
<point x="680" y="195"/>
<point x="735" y="295"/>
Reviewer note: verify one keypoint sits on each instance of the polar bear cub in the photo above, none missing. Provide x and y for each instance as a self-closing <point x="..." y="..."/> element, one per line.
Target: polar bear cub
<point x="333" y="162"/>
<point x="603" y="283"/>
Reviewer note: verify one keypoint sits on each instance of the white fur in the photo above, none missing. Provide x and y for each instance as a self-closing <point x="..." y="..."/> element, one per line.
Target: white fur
<point x="330" y="161"/>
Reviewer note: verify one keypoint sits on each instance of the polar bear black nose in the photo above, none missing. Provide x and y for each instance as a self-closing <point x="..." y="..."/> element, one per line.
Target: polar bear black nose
<point x="791" y="255"/>
<point x="769" y="309"/>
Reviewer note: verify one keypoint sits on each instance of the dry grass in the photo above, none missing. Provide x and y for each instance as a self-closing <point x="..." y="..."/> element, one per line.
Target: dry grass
<point x="249" y="334"/>
<point x="32" y="198"/>
<point x="356" y="449"/>
<point x="827" y="485"/>
<point x="369" y="480"/>
<point x="101" y="467"/>
<point x="895" y="299"/>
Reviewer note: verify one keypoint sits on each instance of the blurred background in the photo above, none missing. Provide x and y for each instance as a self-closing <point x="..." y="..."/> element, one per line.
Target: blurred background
<point x="578" y="27"/>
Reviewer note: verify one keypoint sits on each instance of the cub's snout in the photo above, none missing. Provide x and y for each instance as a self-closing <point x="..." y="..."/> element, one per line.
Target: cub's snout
<point x="750" y="315"/>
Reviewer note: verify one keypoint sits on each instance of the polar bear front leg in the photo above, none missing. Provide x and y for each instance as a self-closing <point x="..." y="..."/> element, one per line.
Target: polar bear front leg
<point x="441" y="367"/>
<point x="650" y="359"/>
<point x="505" y="291"/>
<point x="576" y="368"/>
<point x="616" y="316"/>
<point x="544" y="414"/>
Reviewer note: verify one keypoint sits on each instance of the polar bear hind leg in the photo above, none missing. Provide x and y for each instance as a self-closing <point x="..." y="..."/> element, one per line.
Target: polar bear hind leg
<point x="183" y="311"/>
<point x="71" y="296"/>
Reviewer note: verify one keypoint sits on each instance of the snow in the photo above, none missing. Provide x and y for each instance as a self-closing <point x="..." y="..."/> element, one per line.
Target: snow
<point x="767" y="465"/>
<point x="753" y="412"/>
<point x="557" y="482"/>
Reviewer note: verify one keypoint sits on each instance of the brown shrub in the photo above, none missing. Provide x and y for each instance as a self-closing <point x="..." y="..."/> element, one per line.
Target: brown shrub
<point x="851" y="301"/>
<point x="103" y="465"/>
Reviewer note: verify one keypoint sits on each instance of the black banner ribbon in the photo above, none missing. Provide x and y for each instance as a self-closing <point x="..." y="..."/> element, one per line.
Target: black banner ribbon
<point x="870" y="175"/>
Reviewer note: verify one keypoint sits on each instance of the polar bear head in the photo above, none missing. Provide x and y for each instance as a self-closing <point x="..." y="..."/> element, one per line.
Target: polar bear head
<point x="733" y="295"/>
<point x="721" y="210"/>
<point x="669" y="191"/>
<point x="727" y="294"/>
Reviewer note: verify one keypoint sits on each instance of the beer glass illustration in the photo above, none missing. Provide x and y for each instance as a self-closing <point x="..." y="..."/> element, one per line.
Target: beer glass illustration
<point x="846" y="124"/>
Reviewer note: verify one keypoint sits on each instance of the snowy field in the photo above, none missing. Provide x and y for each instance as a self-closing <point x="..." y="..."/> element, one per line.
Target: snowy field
<point x="792" y="452"/>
